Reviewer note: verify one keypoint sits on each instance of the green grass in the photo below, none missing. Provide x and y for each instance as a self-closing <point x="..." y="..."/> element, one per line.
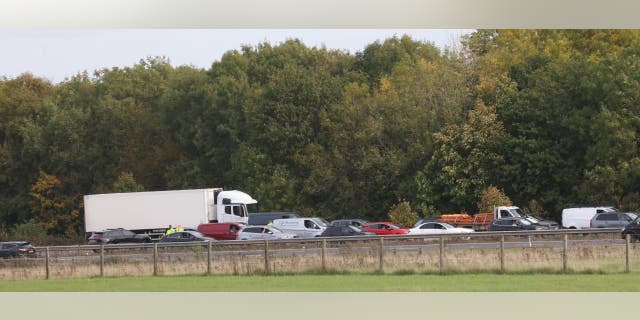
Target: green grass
<point x="340" y="282"/>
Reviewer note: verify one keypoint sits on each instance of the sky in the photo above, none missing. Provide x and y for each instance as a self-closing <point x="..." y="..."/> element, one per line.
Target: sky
<point x="57" y="55"/>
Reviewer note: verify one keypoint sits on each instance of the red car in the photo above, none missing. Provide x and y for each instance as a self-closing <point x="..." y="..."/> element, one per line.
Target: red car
<point x="384" y="228"/>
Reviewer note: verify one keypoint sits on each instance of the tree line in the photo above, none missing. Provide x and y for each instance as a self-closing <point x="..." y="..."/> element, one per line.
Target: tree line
<point x="549" y="117"/>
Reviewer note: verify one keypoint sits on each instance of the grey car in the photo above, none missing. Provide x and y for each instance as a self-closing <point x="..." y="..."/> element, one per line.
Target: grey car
<point x="263" y="233"/>
<point x="612" y="219"/>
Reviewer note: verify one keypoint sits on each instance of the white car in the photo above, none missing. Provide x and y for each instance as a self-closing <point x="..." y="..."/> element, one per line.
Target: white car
<point x="263" y="233"/>
<point x="437" y="228"/>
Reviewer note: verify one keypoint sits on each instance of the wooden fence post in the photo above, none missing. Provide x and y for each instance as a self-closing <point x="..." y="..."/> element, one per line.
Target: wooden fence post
<point x="441" y="264"/>
<point x="155" y="259"/>
<point x="46" y="263"/>
<point x="266" y="257"/>
<point x="324" y="255"/>
<point x="564" y="254"/>
<point x="502" y="269"/>
<point x="381" y="265"/>
<point x="102" y="260"/>
<point x="209" y="259"/>
<point x="627" y="253"/>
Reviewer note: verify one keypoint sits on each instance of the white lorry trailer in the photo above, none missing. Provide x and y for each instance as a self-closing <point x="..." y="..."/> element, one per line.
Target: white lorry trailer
<point x="153" y="212"/>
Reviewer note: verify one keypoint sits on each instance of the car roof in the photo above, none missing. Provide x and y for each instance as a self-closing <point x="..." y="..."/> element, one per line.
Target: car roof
<point x="15" y="242"/>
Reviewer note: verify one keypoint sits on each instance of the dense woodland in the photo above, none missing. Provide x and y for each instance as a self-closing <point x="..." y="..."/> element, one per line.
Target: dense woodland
<point x="551" y="117"/>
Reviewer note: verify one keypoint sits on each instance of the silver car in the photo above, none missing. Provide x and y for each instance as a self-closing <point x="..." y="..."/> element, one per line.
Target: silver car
<point x="264" y="233"/>
<point x="612" y="219"/>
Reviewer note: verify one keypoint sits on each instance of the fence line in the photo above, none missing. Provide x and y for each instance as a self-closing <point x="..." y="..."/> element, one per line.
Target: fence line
<point x="482" y="251"/>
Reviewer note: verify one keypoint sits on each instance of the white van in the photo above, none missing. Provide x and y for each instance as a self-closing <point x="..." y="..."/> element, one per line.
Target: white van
<point x="302" y="227"/>
<point x="580" y="218"/>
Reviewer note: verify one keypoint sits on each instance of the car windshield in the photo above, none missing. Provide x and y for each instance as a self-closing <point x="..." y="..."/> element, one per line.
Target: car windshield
<point x="517" y="213"/>
<point x="354" y="228"/>
<point x="274" y="229"/>
<point x="533" y="219"/>
<point x="633" y="216"/>
<point x="321" y="222"/>
<point x="610" y="209"/>
<point x="197" y="234"/>
<point x="525" y="222"/>
<point x="393" y="226"/>
<point x="252" y="208"/>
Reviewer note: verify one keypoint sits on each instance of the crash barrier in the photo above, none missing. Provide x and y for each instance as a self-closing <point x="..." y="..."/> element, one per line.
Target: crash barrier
<point x="601" y="250"/>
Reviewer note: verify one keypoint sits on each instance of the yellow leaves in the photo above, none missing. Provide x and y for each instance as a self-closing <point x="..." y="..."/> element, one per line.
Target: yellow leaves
<point x="58" y="212"/>
<point x="385" y="84"/>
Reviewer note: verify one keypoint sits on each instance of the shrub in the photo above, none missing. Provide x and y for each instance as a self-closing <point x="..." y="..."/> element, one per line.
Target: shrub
<point x="492" y="196"/>
<point x="402" y="215"/>
<point x="29" y="230"/>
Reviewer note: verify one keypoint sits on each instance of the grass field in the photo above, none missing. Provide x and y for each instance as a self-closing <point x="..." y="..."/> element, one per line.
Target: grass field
<point x="619" y="282"/>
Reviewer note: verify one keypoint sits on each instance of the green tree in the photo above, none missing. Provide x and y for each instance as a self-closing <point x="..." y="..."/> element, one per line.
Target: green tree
<point x="126" y="183"/>
<point x="464" y="163"/>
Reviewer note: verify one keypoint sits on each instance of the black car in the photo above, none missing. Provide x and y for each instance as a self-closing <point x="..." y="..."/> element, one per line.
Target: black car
<point x="513" y="224"/>
<point x="113" y="236"/>
<point x="16" y="249"/>
<point x="546" y="224"/>
<point x="186" y="236"/>
<point x="633" y="229"/>
<point x="343" y="231"/>
<point x="349" y="222"/>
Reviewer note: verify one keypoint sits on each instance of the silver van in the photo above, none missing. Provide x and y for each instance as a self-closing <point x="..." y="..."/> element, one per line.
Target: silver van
<point x="302" y="227"/>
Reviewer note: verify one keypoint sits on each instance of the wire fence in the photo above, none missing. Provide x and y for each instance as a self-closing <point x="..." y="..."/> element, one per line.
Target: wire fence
<point x="602" y="250"/>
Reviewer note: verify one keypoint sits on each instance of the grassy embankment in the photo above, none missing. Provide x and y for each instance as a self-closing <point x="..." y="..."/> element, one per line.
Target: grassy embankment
<point x="340" y="282"/>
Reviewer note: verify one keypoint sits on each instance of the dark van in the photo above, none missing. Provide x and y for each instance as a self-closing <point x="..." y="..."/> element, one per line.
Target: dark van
<point x="220" y="231"/>
<point x="264" y="218"/>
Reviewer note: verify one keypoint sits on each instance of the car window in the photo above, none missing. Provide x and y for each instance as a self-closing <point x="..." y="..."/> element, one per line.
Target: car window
<point x="375" y="226"/>
<point x="113" y="234"/>
<point x="252" y="230"/>
<point x="427" y="226"/>
<point x="128" y="233"/>
<point x="310" y="225"/>
<point x="607" y="217"/>
<point x="174" y="236"/>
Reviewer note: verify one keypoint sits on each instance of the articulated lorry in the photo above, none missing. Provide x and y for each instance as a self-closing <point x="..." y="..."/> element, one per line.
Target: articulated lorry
<point x="153" y="212"/>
